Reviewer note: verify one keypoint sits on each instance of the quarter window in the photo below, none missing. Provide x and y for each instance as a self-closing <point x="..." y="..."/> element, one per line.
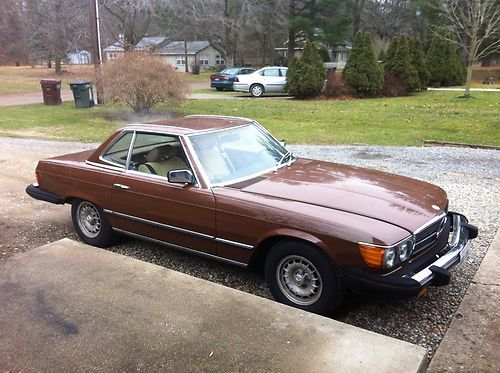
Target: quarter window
<point x="117" y="153"/>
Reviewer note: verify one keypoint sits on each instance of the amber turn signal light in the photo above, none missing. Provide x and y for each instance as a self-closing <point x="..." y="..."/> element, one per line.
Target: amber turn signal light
<point x="373" y="256"/>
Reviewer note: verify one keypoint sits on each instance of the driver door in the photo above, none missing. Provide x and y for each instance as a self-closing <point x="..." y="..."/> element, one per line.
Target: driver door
<point x="146" y="204"/>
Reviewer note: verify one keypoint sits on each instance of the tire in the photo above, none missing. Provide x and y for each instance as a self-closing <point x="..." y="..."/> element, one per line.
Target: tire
<point x="219" y="89"/>
<point x="302" y="276"/>
<point x="91" y="224"/>
<point x="257" y="90"/>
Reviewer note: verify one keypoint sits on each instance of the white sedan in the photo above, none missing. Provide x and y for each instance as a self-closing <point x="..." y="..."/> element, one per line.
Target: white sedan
<point x="267" y="79"/>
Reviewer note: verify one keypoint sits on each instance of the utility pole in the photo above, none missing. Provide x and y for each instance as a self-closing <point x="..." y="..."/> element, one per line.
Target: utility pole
<point x="96" y="47"/>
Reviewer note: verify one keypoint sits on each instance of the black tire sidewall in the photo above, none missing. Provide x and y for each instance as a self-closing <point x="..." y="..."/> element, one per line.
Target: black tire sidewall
<point x="332" y="292"/>
<point x="106" y="234"/>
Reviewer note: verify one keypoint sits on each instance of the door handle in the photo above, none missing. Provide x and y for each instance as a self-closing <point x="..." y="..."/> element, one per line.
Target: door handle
<point x="121" y="186"/>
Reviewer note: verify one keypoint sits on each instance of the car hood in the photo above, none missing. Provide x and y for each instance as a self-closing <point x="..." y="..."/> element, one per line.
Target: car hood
<point x="398" y="200"/>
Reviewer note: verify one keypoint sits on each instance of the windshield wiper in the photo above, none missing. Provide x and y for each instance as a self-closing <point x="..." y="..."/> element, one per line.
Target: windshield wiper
<point x="285" y="156"/>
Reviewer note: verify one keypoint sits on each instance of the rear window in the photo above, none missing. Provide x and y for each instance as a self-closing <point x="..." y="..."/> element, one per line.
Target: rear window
<point x="230" y="71"/>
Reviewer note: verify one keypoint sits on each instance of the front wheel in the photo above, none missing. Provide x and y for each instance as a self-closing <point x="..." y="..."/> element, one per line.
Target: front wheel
<point x="257" y="90"/>
<point x="302" y="276"/>
<point x="91" y="224"/>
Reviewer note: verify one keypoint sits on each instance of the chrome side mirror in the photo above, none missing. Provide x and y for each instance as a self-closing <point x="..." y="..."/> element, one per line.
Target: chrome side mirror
<point x="181" y="177"/>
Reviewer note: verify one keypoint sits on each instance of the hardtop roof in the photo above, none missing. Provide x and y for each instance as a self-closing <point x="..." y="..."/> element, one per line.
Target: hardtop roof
<point x="190" y="124"/>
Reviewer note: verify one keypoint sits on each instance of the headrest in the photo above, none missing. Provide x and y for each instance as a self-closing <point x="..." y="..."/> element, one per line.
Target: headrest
<point x="161" y="153"/>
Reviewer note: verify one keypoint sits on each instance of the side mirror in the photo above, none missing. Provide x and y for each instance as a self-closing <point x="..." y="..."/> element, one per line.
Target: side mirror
<point x="282" y="143"/>
<point x="181" y="177"/>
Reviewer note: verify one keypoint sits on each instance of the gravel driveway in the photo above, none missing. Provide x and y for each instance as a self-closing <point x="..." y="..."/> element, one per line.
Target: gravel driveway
<point x="470" y="176"/>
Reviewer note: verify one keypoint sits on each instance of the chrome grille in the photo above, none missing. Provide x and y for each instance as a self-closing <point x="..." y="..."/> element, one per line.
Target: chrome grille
<point x="428" y="233"/>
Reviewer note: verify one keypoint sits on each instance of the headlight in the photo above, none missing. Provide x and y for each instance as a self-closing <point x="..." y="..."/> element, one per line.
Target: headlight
<point x="387" y="256"/>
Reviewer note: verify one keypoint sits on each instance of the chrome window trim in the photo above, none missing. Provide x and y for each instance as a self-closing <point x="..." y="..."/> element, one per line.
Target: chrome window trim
<point x="179" y="230"/>
<point x="105" y="166"/>
<point x="124" y="133"/>
<point x="182" y="248"/>
<point x="159" y="177"/>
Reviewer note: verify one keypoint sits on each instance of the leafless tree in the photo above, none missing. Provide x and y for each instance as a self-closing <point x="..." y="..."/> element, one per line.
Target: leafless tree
<point x="130" y="18"/>
<point x="221" y="22"/>
<point x="53" y="28"/>
<point x="474" y="27"/>
<point x="11" y="31"/>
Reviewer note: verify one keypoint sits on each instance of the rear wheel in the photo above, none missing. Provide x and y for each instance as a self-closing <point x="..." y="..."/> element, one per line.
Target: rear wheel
<point x="219" y="88"/>
<point x="91" y="224"/>
<point x="257" y="90"/>
<point x="302" y="276"/>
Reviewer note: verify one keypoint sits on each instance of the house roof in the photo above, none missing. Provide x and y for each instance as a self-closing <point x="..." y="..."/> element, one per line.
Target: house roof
<point x="177" y="47"/>
<point x="116" y="47"/>
<point x="148" y="42"/>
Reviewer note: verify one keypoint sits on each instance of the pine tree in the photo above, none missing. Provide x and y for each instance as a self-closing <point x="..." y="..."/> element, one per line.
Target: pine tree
<point x="389" y="55"/>
<point x="444" y="64"/>
<point x="362" y="72"/>
<point x="401" y="66"/>
<point x="306" y="75"/>
<point x="417" y="59"/>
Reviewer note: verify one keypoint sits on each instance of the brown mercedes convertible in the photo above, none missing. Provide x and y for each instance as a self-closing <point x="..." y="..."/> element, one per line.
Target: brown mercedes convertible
<point x="225" y="188"/>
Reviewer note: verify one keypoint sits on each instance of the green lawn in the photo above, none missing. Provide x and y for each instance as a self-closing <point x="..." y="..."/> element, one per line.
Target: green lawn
<point x="61" y="122"/>
<point x="386" y="121"/>
<point x="406" y="121"/>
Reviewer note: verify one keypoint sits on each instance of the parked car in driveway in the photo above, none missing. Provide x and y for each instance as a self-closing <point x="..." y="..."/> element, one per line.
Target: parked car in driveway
<point x="266" y="80"/>
<point x="226" y="189"/>
<point x="225" y="79"/>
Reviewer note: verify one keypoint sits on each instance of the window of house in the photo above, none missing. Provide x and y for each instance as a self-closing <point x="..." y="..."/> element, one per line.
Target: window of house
<point x="181" y="60"/>
<point x="219" y="60"/>
<point x="203" y="60"/>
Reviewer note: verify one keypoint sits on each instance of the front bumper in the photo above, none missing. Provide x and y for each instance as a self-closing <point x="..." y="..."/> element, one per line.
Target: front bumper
<point x="36" y="192"/>
<point x="430" y="269"/>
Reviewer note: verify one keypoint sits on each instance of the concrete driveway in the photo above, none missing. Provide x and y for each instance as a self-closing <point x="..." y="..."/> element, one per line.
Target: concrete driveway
<point x="70" y="307"/>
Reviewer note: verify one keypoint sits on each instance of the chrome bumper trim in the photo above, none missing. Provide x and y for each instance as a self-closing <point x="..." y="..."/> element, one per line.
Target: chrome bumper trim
<point x="457" y="250"/>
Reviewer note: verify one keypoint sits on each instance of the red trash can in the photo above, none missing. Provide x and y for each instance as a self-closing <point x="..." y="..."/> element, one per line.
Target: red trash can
<point x="51" y="89"/>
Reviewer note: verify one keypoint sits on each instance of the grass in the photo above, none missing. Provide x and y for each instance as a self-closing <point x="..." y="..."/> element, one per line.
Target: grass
<point x="61" y="122"/>
<point x="405" y="121"/>
<point x="27" y="79"/>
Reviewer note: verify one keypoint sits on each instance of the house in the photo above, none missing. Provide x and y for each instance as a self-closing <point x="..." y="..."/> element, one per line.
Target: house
<point x="173" y="52"/>
<point x="338" y="54"/>
<point x="150" y="43"/>
<point x="198" y="52"/>
<point x="79" y="57"/>
<point x="114" y="51"/>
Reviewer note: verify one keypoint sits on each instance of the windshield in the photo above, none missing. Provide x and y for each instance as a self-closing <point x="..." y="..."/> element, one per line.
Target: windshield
<point x="238" y="153"/>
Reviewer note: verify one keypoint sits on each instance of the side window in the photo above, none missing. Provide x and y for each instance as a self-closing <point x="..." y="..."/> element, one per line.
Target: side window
<point x="157" y="154"/>
<point x="272" y="72"/>
<point x="117" y="153"/>
<point x="283" y="72"/>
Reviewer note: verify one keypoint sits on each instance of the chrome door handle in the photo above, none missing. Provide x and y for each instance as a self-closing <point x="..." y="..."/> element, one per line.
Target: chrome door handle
<point x="121" y="186"/>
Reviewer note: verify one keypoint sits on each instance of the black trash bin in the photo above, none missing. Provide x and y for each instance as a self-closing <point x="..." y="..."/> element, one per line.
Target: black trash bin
<point x="51" y="89"/>
<point x="83" y="93"/>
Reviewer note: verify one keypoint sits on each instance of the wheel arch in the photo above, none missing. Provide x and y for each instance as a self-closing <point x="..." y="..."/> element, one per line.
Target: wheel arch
<point x="258" y="258"/>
